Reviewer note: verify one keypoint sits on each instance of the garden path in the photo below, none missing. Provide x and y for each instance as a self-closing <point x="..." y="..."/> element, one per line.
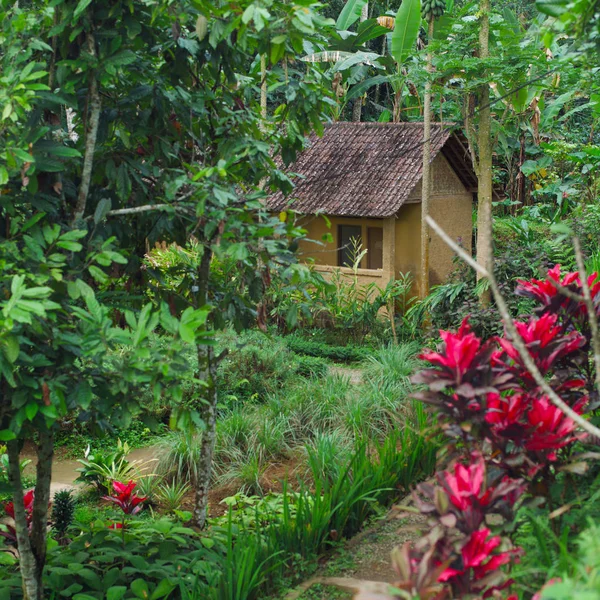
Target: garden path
<point x="354" y="374"/>
<point x="367" y="556"/>
<point x="64" y="471"/>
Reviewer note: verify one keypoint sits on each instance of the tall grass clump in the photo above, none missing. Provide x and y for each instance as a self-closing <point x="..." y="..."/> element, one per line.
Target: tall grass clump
<point x="179" y="456"/>
<point x="392" y="365"/>
<point x="306" y="523"/>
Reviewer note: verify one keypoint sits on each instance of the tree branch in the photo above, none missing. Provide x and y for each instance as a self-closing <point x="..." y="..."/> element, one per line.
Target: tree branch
<point x="591" y="309"/>
<point x="134" y="210"/>
<point x="514" y="334"/>
<point x="91" y="136"/>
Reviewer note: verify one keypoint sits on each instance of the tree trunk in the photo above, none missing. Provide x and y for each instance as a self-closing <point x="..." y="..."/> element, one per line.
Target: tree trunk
<point x="426" y="181"/>
<point x="484" y="206"/>
<point x="27" y="563"/>
<point x="39" y="523"/>
<point x="357" y="106"/>
<point x="207" y="372"/>
<point x="263" y="88"/>
<point x="94" y="103"/>
<point x="521" y="175"/>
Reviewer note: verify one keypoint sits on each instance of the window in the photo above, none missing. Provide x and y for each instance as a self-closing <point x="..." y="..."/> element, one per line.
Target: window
<point x="375" y="247"/>
<point x="348" y="236"/>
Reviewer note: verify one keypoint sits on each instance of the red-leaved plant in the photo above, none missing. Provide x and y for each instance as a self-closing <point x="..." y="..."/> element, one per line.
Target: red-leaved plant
<point x="9" y="533"/>
<point x="125" y="498"/>
<point x="514" y="436"/>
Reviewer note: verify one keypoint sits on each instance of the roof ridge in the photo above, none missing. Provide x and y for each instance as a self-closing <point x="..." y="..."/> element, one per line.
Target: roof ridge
<point x="378" y="124"/>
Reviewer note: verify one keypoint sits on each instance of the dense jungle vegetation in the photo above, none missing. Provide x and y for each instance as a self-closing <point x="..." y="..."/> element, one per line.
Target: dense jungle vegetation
<point x="189" y="409"/>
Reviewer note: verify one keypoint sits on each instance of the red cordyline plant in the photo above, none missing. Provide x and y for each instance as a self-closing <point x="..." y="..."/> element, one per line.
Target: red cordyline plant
<point x="8" y="521"/>
<point x="486" y="397"/>
<point x="484" y="394"/>
<point x="125" y="498"/>
<point x="465" y="495"/>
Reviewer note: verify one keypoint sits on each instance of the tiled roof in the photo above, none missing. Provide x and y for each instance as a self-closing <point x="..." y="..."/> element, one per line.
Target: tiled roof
<point x="359" y="169"/>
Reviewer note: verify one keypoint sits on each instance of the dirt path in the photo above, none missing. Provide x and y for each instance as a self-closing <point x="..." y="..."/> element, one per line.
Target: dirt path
<point x="64" y="472"/>
<point x="355" y="375"/>
<point x="366" y="556"/>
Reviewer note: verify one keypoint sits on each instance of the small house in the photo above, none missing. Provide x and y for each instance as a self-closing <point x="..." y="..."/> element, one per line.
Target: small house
<point x="365" y="178"/>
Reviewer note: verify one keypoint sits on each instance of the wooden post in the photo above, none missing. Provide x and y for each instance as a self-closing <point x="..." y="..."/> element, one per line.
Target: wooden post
<point x="389" y="248"/>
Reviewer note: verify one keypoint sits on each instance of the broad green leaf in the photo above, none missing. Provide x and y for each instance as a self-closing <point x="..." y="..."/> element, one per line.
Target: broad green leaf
<point x="554" y="8"/>
<point x="70" y="246"/>
<point x="98" y="274"/>
<point x="140" y="588"/>
<point x="63" y="151"/>
<point x="350" y="14"/>
<point x="83" y="4"/>
<point x="29" y="224"/>
<point x="201" y="27"/>
<point x="406" y="31"/>
<point x="7" y="111"/>
<point x="102" y="208"/>
<point x="3" y="175"/>
<point x="11" y="348"/>
<point x="363" y="86"/>
<point x="162" y="590"/>
<point x="116" y="592"/>
<point x="369" y="30"/>
<point x="73" y="290"/>
<point x="248" y="14"/>
<point x="31" y="409"/>
<point x="6" y="435"/>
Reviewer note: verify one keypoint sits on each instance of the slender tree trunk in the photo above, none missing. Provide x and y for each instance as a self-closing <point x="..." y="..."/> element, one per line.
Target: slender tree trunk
<point x="521" y="175"/>
<point x="263" y="87"/>
<point x="207" y="372"/>
<point x="27" y="562"/>
<point x="357" y="106"/>
<point x="39" y="522"/>
<point x="485" y="255"/>
<point x="426" y="182"/>
<point x="94" y="103"/>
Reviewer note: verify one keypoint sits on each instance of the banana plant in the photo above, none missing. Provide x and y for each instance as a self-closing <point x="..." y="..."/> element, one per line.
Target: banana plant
<point x="350" y="57"/>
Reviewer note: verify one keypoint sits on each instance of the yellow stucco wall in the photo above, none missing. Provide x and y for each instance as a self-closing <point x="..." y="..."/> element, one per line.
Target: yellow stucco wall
<point x="326" y="253"/>
<point x="451" y="207"/>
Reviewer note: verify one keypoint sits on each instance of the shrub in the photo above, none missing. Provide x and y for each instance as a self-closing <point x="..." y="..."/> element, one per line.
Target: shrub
<point x="178" y="456"/>
<point x="319" y="349"/>
<point x="243" y="555"/>
<point x="486" y="397"/>
<point x="63" y="513"/>
<point x="170" y="496"/>
<point x="582" y="580"/>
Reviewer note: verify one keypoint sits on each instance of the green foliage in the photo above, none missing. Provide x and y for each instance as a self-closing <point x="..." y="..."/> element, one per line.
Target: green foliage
<point x="583" y="580"/>
<point x="75" y="437"/>
<point x="179" y="455"/>
<point x="258" y="365"/>
<point x="145" y="559"/>
<point x="393" y="366"/>
<point x="300" y="345"/>
<point x="63" y="512"/>
<point x="5" y="488"/>
<point x="248" y="552"/>
<point x="101" y="469"/>
<point x="171" y="495"/>
<point x="406" y="31"/>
